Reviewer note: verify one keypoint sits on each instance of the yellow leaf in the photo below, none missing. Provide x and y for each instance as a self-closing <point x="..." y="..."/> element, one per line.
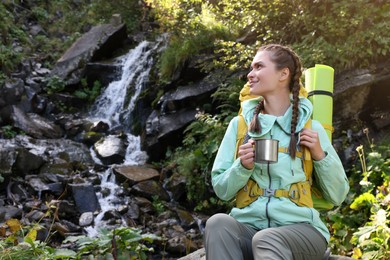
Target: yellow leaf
<point x="357" y="253"/>
<point x="14" y="225"/>
<point x="32" y="234"/>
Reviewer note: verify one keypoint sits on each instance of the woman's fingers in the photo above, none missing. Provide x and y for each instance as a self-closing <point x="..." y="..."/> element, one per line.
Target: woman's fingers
<point x="246" y="153"/>
<point x="311" y="140"/>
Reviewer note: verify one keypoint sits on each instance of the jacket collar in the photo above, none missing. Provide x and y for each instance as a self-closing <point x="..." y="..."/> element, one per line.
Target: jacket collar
<point x="267" y="121"/>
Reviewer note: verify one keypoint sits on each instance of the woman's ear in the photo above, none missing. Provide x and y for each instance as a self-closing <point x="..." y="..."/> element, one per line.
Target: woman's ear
<point x="284" y="74"/>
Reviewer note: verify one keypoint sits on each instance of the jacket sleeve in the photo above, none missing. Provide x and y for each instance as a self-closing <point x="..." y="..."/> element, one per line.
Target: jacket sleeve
<point x="329" y="171"/>
<point x="228" y="176"/>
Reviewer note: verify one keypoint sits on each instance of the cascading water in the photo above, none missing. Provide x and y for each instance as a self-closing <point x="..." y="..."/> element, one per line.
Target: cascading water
<point x="116" y="103"/>
<point x="114" y="107"/>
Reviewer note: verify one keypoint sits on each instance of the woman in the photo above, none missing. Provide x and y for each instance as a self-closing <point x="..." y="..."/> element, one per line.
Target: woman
<point x="273" y="227"/>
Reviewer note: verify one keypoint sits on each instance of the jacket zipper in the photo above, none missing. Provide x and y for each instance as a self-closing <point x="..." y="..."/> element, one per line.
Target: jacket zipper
<point x="269" y="198"/>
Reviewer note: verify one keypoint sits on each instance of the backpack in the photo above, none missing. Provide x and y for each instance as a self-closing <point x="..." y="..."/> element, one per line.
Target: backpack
<point x="319" y="82"/>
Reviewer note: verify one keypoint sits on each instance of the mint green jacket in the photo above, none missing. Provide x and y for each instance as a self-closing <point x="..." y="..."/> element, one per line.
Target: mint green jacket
<point x="229" y="176"/>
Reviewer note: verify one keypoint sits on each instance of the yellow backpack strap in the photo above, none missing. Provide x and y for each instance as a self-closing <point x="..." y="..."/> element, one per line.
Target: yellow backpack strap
<point x="241" y="132"/>
<point x="328" y="127"/>
<point x="307" y="161"/>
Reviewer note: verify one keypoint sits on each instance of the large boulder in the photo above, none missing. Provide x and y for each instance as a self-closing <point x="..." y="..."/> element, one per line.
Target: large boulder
<point x="177" y="109"/>
<point x="35" y="125"/>
<point x="361" y="96"/>
<point x="201" y="255"/>
<point x="96" y="44"/>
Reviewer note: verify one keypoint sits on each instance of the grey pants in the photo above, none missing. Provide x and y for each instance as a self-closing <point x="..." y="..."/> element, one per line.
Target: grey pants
<point x="226" y="238"/>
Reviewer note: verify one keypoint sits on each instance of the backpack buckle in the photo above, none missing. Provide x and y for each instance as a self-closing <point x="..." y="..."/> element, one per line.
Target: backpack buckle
<point x="268" y="192"/>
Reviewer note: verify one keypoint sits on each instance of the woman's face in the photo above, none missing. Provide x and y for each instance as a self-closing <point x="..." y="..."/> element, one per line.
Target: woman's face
<point x="264" y="78"/>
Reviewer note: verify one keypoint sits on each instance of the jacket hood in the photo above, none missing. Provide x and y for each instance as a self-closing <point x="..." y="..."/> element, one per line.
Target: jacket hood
<point x="305" y="108"/>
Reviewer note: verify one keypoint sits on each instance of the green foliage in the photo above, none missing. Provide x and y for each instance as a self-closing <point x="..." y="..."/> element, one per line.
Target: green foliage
<point x="327" y="36"/>
<point x="195" y="158"/>
<point x="128" y="243"/>
<point x="195" y="30"/>
<point x="54" y="84"/>
<point x="320" y="31"/>
<point x="9" y="58"/>
<point x="365" y="232"/>
<point x="89" y="94"/>
<point x="62" y="22"/>
<point x="158" y="205"/>
<point x="8" y="132"/>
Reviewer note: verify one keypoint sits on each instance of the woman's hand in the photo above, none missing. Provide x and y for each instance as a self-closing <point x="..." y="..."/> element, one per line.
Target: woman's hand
<point x="246" y="153"/>
<point x="311" y="140"/>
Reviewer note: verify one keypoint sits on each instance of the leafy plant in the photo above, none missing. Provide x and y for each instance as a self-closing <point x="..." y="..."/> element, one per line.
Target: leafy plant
<point x="373" y="238"/>
<point x="158" y="205"/>
<point x="8" y="132"/>
<point x="364" y="233"/>
<point x="194" y="160"/>
<point x="125" y="243"/>
<point x="90" y="94"/>
<point x="22" y="243"/>
<point x="54" y="85"/>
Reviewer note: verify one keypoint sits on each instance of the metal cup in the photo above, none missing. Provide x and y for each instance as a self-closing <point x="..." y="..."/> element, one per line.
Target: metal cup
<point x="266" y="150"/>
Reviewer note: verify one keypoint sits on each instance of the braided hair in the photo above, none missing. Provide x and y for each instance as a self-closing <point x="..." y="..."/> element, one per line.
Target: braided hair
<point x="283" y="57"/>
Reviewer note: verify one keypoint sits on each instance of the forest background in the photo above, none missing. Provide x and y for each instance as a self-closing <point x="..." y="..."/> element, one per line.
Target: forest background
<point x="345" y="34"/>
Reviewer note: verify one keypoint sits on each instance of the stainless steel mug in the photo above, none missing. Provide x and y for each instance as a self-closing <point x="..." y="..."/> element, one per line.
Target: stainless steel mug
<point x="266" y="150"/>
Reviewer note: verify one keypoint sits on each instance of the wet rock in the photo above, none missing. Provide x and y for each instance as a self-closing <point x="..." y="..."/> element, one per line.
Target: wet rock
<point x="37" y="184"/>
<point x="27" y="162"/>
<point x="186" y="219"/>
<point x="66" y="209"/>
<point x="144" y="204"/>
<point x="68" y="100"/>
<point x="164" y="130"/>
<point x="56" y="188"/>
<point x="91" y="138"/>
<point x="17" y="192"/>
<point x="112" y="216"/>
<point x="12" y="212"/>
<point x="133" y="211"/>
<point x="8" y="155"/>
<point x="151" y="188"/>
<point x="136" y="174"/>
<point x="56" y="172"/>
<point x="35" y="125"/>
<point x="85" y="197"/>
<point x="111" y="150"/>
<point x="12" y="92"/>
<point x="33" y="204"/>
<point x="35" y="215"/>
<point x="86" y="219"/>
<point x="176" y="184"/>
<point x="3" y="212"/>
<point x="98" y="42"/>
<point x="56" y="150"/>
<point x="100" y="127"/>
<point x="181" y="245"/>
<point x="102" y="72"/>
<point x="60" y="228"/>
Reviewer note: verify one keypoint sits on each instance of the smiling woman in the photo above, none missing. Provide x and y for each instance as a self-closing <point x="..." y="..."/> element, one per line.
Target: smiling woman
<point x="273" y="226"/>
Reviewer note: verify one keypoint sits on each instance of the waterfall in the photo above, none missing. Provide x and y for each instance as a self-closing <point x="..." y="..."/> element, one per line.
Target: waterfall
<point x="114" y="107"/>
<point x="115" y="104"/>
<point x="111" y="106"/>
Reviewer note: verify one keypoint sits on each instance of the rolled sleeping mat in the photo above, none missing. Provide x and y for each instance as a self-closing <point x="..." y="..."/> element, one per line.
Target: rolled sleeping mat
<point x="319" y="82"/>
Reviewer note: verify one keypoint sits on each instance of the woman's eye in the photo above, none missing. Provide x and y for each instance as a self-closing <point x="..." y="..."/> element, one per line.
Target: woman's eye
<point x="257" y="66"/>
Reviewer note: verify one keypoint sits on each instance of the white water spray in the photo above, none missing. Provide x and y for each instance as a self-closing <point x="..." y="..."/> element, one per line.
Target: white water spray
<point x="114" y="107"/>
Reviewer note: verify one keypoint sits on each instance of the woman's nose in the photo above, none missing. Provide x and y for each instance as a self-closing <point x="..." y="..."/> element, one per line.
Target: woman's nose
<point x="249" y="76"/>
